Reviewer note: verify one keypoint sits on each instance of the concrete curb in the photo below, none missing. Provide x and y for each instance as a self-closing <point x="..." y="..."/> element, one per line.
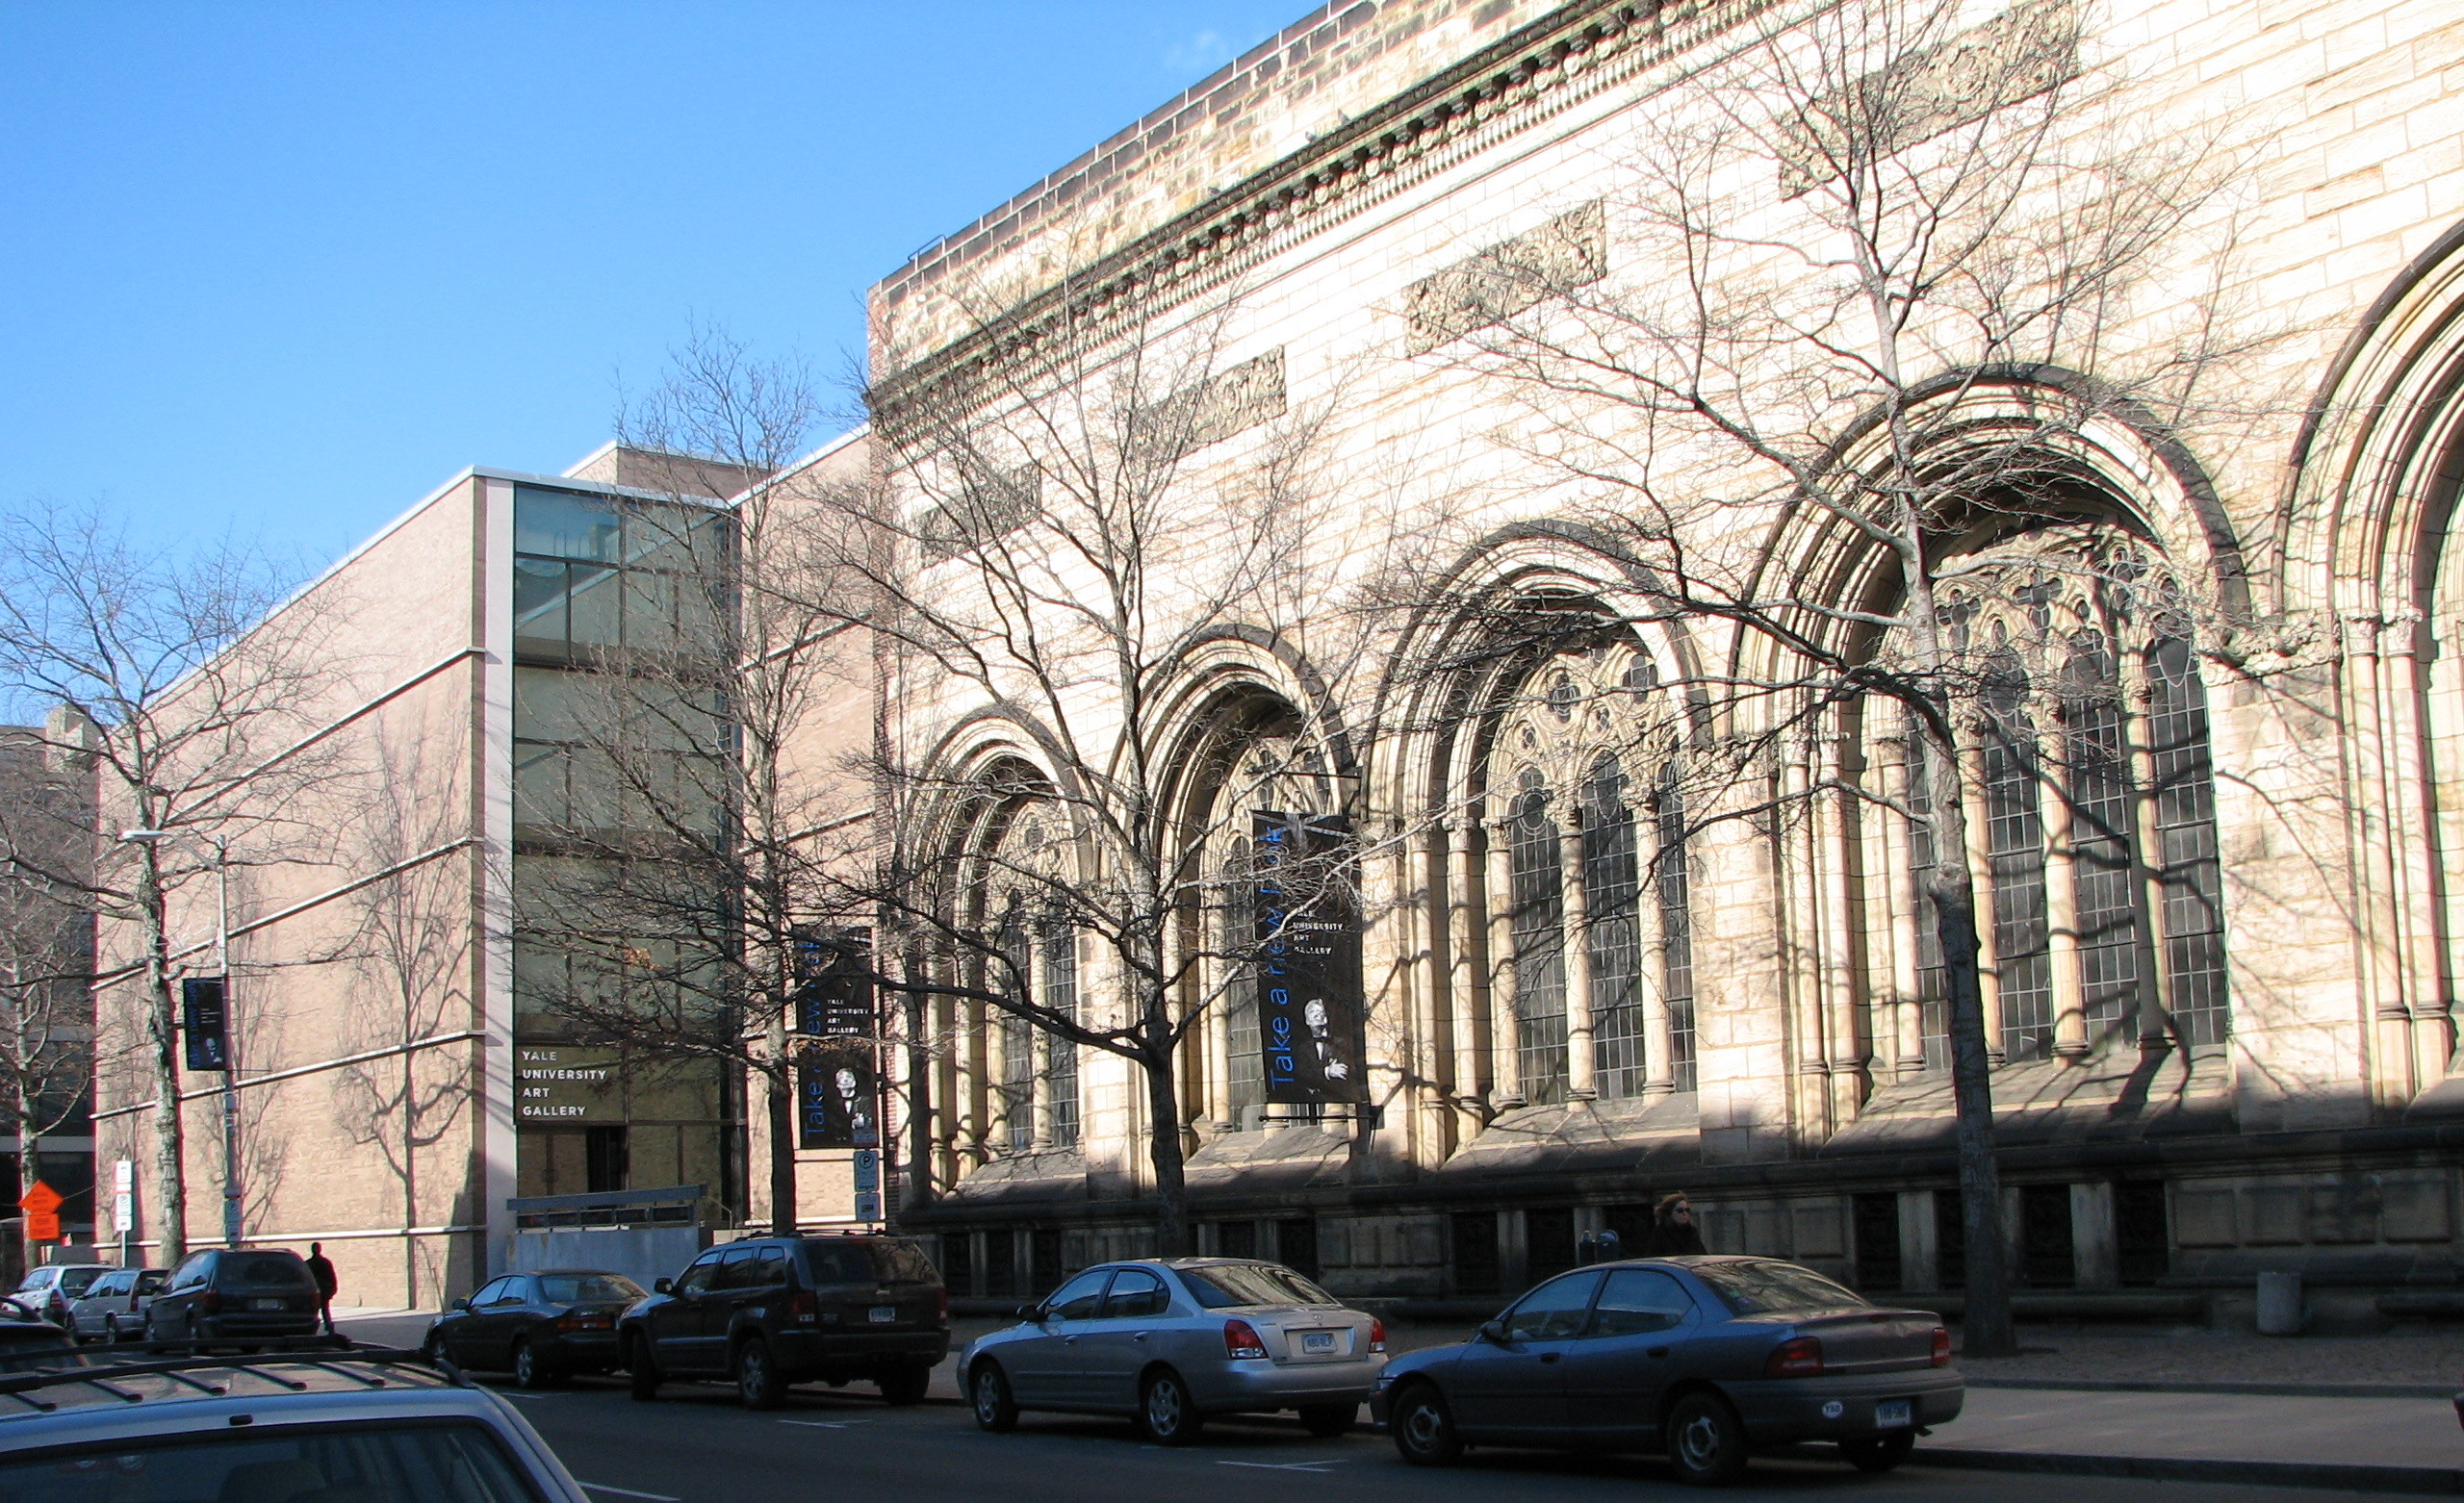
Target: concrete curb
<point x="2340" y="1476"/>
<point x="2290" y="1390"/>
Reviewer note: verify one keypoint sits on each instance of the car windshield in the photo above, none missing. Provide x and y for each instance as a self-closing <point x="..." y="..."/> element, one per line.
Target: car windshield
<point x="1218" y="1286"/>
<point x="74" y="1281"/>
<point x="436" y="1464"/>
<point x="266" y="1268"/>
<point x="1773" y="1289"/>
<point x="574" y="1288"/>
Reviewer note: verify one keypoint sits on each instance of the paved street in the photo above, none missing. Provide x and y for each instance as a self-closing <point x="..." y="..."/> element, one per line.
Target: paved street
<point x="696" y="1446"/>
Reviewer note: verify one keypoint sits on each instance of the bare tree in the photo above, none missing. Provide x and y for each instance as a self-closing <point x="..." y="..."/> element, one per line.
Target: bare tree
<point x="1075" y="508"/>
<point x="46" y="940"/>
<point x="1886" y="287"/>
<point x="197" y="672"/>
<point x="688" y="895"/>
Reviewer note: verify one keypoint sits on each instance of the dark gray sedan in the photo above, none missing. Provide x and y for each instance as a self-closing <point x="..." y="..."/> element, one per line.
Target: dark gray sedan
<point x="1700" y="1358"/>
<point x="1169" y="1341"/>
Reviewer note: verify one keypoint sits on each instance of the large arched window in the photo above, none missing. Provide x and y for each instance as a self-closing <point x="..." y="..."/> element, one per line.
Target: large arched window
<point x="1030" y="954"/>
<point x="2085" y="759"/>
<point x="1589" y="881"/>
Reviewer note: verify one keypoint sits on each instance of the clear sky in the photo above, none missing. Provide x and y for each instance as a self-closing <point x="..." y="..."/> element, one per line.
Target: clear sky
<point x="286" y="268"/>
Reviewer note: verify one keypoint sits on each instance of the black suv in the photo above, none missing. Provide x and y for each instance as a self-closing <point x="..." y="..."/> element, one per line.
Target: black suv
<point x="225" y="1295"/>
<point x="772" y="1312"/>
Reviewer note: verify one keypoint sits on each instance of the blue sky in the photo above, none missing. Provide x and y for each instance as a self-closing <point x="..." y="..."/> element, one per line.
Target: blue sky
<point x="285" y="267"/>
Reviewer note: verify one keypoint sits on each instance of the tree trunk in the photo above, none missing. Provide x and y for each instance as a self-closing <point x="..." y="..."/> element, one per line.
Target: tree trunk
<point x="1986" y="1325"/>
<point x="780" y="1105"/>
<point x="1164" y="1147"/>
<point x="162" y="1023"/>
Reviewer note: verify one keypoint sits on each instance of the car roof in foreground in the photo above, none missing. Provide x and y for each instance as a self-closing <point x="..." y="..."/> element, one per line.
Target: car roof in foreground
<point x="71" y="1399"/>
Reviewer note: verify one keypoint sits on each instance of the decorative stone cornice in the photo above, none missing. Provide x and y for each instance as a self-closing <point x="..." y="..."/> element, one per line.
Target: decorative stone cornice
<point x="1527" y="78"/>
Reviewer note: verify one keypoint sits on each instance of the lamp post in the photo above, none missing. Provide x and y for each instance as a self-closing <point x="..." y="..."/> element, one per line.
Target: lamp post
<point x="231" y="1187"/>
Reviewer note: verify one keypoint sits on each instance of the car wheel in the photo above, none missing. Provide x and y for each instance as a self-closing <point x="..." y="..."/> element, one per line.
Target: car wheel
<point x="989" y="1391"/>
<point x="1166" y="1411"/>
<point x="528" y="1371"/>
<point x="1705" y="1441"/>
<point x="906" y="1384"/>
<point x="1423" y="1428"/>
<point x="1327" y="1421"/>
<point x="757" y="1377"/>
<point x="642" y="1367"/>
<point x="1879" y="1452"/>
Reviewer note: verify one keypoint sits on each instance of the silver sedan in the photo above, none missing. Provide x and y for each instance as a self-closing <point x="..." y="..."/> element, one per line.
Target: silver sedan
<point x="1169" y="1341"/>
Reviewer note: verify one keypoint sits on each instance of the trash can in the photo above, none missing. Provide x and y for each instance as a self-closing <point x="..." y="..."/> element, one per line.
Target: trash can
<point x="2280" y="1304"/>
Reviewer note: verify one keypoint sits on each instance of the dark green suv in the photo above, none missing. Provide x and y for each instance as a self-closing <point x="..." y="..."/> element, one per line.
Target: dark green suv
<point x="770" y="1312"/>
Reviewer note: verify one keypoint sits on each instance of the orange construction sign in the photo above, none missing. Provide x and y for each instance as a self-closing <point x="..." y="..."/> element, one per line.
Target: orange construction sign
<point x="41" y="1205"/>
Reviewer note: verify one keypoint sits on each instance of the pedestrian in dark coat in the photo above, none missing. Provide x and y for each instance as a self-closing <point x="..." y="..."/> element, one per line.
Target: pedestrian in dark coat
<point x="321" y="1269"/>
<point x="1674" y="1234"/>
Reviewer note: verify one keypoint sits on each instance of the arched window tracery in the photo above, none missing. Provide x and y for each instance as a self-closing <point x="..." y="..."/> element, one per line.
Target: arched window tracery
<point x="1030" y="950"/>
<point x="1590" y="894"/>
<point x="2086" y="756"/>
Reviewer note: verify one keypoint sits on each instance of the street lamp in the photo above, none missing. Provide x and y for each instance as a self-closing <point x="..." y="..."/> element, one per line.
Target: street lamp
<point x="231" y="1189"/>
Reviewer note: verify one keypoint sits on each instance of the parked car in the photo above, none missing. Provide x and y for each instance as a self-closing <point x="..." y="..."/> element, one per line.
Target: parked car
<point x="113" y="1306"/>
<point x="773" y="1312"/>
<point x="541" y="1327"/>
<point x="50" y="1288"/>
<point x="1169" y="1341"/>
<point x="227" y="1294"/>
<point x="275" y="1431"/>
<point x="1701" y="1358"/>
<point x="22" y="1330"/>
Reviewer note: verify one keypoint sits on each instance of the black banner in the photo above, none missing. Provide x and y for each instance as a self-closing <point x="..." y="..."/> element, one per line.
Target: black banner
<point x="838" y="1098"/>
<point x="834" y="984"/>
<point x="205" y="1022"/>
<point x="1308" y="964"/>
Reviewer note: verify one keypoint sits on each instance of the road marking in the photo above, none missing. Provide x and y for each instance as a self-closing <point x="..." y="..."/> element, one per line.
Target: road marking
<point x="825" y="1424"/>
<point x="627" y="1493"/>
<point x="1310" y="1467"/>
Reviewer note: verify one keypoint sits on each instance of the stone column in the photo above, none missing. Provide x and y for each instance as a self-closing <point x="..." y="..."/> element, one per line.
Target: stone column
<point x="1845" y="1052"/>
<point x="1798" y="921"/>
<point x="1980" y="865"/>
<point x="1465" y="984"/>
<point x="1906" y="911"/>
<point x="2146" y="858"/>
<point x="2409" y="839"/>
<point x="1659" y="1035"/>
<point x="1573" y="904"/>
<point x="1505" y="1059"/>
<point x="2061" y="886"/>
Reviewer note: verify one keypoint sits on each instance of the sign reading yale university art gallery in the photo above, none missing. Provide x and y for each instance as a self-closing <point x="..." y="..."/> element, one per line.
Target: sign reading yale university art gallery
<point x="560" y="1083"/>
<point x="837" y="1087"/>
<point x="1308" y="938"/>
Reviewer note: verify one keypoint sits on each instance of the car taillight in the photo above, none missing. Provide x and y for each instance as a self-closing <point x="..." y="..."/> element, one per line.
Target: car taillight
<point x="942" y="1305"/>
<point x="1376" y="1336"/>
<point x="1941" y="1347"/>
<point x="210" y="1301"/>
<point x="1801" y="1357"/>
<point x="802" y="1304"/>
<point x="1241" y="1340"/>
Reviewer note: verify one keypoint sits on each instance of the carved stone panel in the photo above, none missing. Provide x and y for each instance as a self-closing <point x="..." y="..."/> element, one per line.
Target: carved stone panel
<point x="1569" y="251"/>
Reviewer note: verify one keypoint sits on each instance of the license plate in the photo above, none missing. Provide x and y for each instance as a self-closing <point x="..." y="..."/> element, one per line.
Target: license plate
<point x="1891" y="1413"/>
<point x="1316" y="1340"/>
<point x="269" y="1304"/>
<point x="888" y="1315"/>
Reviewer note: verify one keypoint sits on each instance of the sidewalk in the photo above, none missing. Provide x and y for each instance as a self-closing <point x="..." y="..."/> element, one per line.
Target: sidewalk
<point x="2370" y="1444"/>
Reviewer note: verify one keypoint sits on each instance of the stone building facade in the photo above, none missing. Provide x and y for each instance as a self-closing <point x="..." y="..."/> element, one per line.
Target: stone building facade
<point x="2222" y="970"/>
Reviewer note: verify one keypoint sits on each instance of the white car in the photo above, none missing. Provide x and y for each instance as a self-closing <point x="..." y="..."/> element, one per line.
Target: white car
<point x="113" y="1307"/>
<point x="47" y="1290"/>
<point x="278" y="1428"/>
